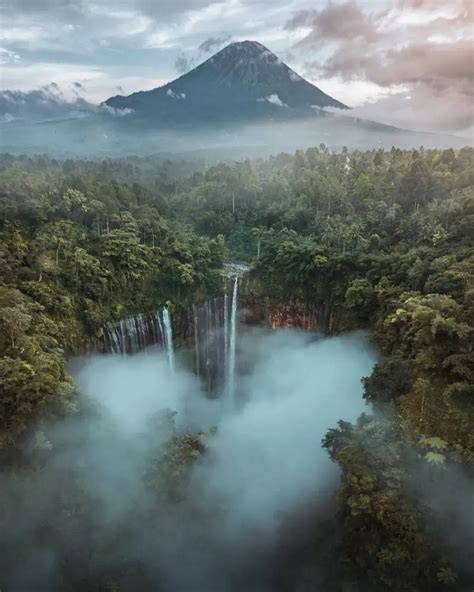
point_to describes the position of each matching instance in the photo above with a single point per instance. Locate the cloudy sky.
(405, 62)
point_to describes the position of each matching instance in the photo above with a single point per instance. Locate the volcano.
(245, 80)
(242, 101)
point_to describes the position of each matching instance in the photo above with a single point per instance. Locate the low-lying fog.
(264, 464)
(91, 137)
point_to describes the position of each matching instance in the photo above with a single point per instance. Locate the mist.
(263, 465)
(106, 135)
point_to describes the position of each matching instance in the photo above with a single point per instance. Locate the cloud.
(212, 44)
(84, 27)
(178, 96)
(132, 44)
(51, 23)
(8, 57)
(440, 65)
(78, 89)
(114, 111)
(420, 51)
(40, 105)
(264, 464)
(101, 83)
(420, 108)
(253, 501)
(384, 47)
(184, 64)
(72, 11)
(49, 103)
(273, 99)
(336, 22)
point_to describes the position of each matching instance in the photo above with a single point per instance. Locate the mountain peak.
(246, 43)
(243, 80)
(246, 62)
(246, 46)
(245, 52)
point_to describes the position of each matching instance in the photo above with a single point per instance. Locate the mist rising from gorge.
(264, 464)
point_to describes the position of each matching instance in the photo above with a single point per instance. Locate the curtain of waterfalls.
(134, 334)
(212, 330)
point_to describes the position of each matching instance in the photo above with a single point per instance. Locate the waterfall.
(206, 323)
(196, 340)
(232, 343)
(158, 332)
(214, 327)
(226, 336)
(211, 331)
(168, 337)
(134, 334)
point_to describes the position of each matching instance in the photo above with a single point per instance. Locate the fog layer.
(264, 463)
(104, 135)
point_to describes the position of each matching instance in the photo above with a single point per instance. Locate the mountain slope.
(243, 80)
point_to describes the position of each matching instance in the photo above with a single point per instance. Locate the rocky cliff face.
(277, 315)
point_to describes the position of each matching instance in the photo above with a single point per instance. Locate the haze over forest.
(236, 296)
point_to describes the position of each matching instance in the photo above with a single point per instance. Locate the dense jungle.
(375, 247)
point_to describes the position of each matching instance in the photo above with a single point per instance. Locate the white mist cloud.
(8, 57)
(267, 457)
(114, 111)
(132, 389)
(264, 467)
(274, 99)
(50, 102)
(173, 95)
(265, 461)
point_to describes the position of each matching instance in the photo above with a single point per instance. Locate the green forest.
(378, 241)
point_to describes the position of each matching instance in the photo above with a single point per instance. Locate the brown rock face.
(308, 317)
